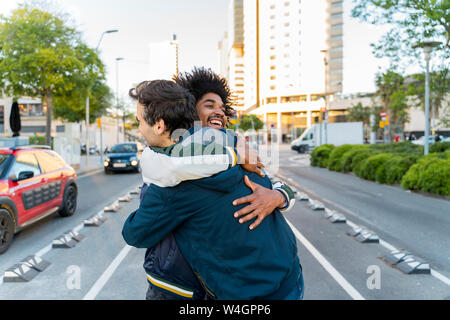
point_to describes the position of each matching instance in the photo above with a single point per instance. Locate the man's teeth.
(215, 122)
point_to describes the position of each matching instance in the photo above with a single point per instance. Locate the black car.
(123, 157)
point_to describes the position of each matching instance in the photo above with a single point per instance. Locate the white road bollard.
(337, 218)
(327, 213)
(114, 207)
(64, 241)
(316, 205)
(125, 198)
(36, 263)
(302, 197)
(20, 273)
(93, 221)
(354, 231)
(397, 256)
(75, 235)
(367, 236)
(413, 265)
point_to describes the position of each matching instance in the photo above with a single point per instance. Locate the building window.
(337, 26)
(272, 57)
(316, 97)
(273, 77)
(272, 100)
(272, 17)
(273, 87)
(273, 67)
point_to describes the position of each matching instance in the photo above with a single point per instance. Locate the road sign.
(383, 113)
(381, 124)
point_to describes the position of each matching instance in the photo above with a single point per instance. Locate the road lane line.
(383, 243)
(100, 283)
(353, 293)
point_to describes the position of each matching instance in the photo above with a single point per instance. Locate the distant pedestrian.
(436, 137)
(396, 138)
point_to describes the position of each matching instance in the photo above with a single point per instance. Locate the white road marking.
(354, 294)
(383, 243)
(100, 283)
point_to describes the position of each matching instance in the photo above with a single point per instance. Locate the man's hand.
(249, 159)
(262, 202)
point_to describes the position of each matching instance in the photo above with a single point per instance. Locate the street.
(335, 265)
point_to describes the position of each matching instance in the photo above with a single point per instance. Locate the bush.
(435, 178)
(430, 174)
(347, 158)
(36, 140)
(359, 158)
(406, 147)
(334, 162)
(440, 147)
(320, 155)
(369, 167)
(395, 168)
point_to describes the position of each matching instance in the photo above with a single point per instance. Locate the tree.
(43, 57)
(392, 93)
(411, 20)
(439, 89)
(250, 122)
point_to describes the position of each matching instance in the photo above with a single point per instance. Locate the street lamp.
(325, 62)
(117, 97)
(87, 103)
(427, 47)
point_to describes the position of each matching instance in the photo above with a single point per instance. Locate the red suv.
(34, 183)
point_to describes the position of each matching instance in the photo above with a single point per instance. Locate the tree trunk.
(48, 127)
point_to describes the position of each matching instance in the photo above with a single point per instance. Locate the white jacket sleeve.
(166, 171)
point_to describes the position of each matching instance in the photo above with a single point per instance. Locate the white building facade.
(284, 65)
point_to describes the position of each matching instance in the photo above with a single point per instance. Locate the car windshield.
(124, 148)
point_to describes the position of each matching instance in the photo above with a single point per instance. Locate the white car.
(421, 140)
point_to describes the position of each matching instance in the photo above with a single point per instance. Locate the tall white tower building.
(163, 59)
(284, 65)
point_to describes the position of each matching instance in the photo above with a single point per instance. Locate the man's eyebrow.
(212, 101)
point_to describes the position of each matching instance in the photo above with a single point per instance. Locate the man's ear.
(160, 127)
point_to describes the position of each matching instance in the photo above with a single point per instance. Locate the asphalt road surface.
(335, 265)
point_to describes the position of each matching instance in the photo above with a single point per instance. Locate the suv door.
(52, 168)
(27, 192)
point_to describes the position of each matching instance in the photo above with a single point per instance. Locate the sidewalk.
(93, 165)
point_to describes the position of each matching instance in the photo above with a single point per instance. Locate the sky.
(199, 26)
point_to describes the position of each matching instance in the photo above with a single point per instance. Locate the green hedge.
(395, 168)
(372, 165)
(346, 161)
(440, 147)
(430, 174)
(391, 163)
(334, 161)
(320, 155)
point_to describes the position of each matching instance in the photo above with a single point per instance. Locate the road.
(335, 265)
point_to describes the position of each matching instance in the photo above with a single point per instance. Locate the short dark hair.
(166, 100)
(201, 81)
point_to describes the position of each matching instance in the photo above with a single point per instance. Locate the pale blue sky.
(199, 25)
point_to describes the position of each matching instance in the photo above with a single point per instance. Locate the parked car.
(34, 183)
(431, 140)
(123, 157)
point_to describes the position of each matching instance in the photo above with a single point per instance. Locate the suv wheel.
(69, 201)
(6, 230)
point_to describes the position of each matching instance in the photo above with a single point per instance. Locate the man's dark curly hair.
(164, 99)
(201, 81)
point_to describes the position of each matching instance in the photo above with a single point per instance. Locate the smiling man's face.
(211, 111)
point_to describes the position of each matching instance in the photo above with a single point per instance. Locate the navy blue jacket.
(166, 263)
(231, 261)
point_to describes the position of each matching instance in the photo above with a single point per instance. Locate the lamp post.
(325, 63)
(87, 101)
(427, 47)
(117, 97)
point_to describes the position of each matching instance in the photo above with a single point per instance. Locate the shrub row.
(395, 163)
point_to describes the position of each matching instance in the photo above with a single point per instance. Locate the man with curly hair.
(168, 273)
